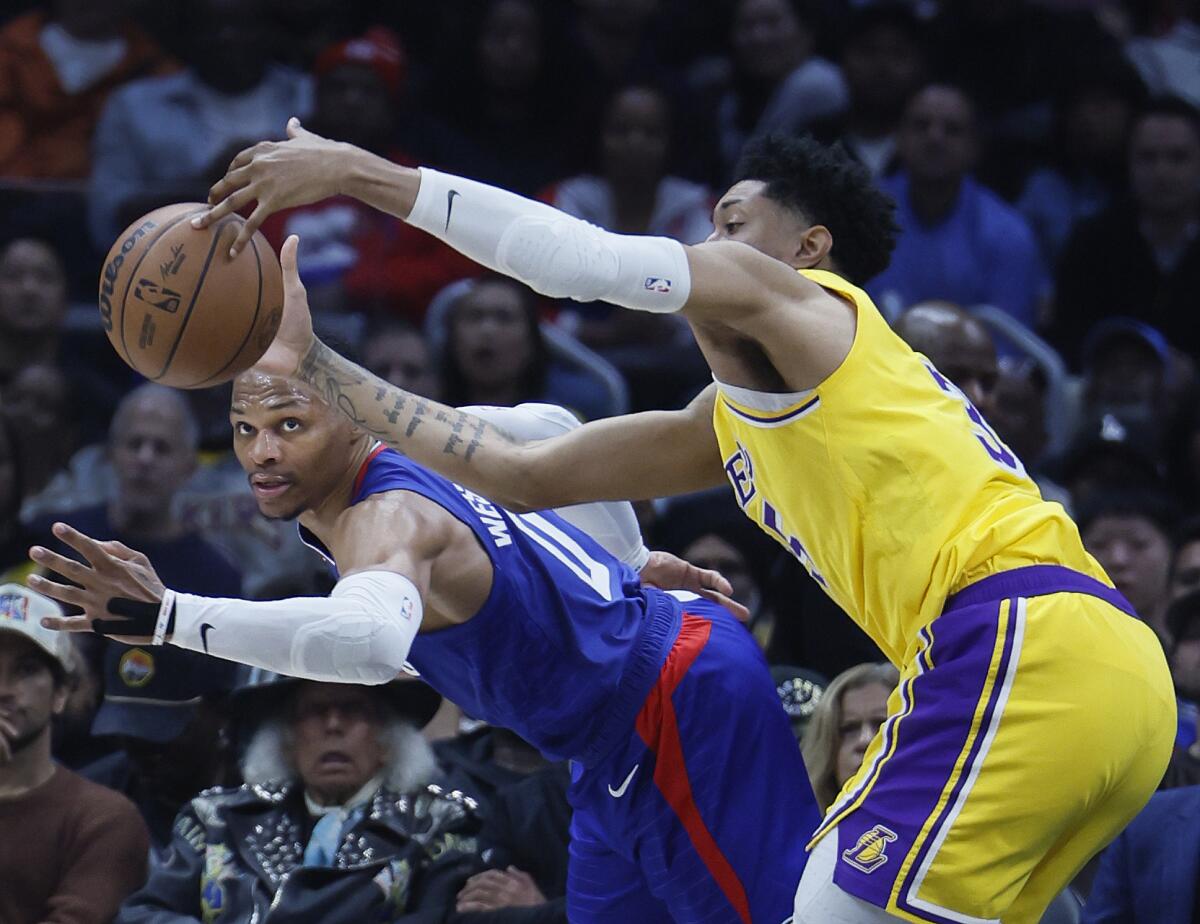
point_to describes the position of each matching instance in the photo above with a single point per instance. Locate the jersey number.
(593, 573)
(1001, 454)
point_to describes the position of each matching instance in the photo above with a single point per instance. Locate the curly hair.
(825, 185)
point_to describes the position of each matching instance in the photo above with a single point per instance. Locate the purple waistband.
(1036, 581)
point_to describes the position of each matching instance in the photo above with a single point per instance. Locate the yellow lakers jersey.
(887, 484)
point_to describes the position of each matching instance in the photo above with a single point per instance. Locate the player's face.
(29, 696)
(746, 214)
(336, 739)
(293, 447)
(864, 709)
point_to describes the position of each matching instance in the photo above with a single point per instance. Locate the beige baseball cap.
(22, 611)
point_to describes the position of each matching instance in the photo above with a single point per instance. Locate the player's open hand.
(276, 175)
(110, 570)
(295, 336)
(668, 572)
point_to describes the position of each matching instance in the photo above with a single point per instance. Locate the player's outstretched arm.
(635, 457)
(360, 633)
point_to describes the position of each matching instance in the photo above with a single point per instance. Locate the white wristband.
(164, 617)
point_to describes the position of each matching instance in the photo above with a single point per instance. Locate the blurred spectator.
(525, 842)
(1092, 119)
(1185, 559)
(848, 716)
(958, 241)
(800, 691)
(161, 711)
(482, 760)
(57, 68)
(1129, 371)
(779, 83)
(1168, 62)
(15, 539)
(884, 63)
(72, 741)
(1141, 258)
(304, 28)
(352, 255)
(632, 194)
(1018, 414)
(33, 311)
(1108, 454)
(33, 304)
(495, 353)
(41, 405)
(709, 530)
(1011, 56)
(1183, 622)
(336, 818)
(71, 850)
(502, 93)
(166, 139)
(1130, 535)
(1149, 874)
(396, 352)
(957, 344)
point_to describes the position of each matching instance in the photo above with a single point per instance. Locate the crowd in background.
(1044, 156)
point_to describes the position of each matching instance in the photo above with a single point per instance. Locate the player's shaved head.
(957, 343)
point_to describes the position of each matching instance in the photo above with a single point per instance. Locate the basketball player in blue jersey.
(1001, 768)
(687, 786)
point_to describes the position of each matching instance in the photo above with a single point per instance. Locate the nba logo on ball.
(136, 668)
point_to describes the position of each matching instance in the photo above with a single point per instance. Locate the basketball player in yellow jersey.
(1035, 712)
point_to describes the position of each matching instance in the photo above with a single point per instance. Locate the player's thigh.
(738, 806)
(820, 901)
(603, 887)
(1056, 771)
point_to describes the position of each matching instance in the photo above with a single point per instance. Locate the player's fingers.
(67, 623)
(69, 568)
(125, 553)
(713, 580)
(224, 202)
(249, 226)
(85, 545)
(290, 266)
(64, 593)
(740, 613)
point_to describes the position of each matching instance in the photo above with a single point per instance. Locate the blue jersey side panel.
(568, 643)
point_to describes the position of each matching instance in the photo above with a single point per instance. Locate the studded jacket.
(236, 855)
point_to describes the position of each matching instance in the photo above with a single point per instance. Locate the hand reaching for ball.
(276, 175)
(295, 336)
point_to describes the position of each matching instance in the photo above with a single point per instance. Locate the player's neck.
(321, 518)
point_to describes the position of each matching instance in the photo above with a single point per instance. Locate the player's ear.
(814, 246)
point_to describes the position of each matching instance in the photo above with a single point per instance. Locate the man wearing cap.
(336, 822)
(71, 850)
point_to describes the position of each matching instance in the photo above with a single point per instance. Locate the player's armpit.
(805, 330)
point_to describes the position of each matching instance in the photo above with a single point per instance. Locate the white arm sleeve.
(360, 633)
(611, 523)
(550, 251)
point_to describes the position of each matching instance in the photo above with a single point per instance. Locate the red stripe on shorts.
(659, 729)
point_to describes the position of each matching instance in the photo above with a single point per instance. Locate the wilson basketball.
(178, 309)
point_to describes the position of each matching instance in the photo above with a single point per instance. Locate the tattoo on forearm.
(380, 409)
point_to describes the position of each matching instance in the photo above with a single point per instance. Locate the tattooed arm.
(636, 457)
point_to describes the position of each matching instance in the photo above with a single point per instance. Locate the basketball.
(178, 309)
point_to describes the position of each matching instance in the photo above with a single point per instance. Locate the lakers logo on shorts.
(870, 852)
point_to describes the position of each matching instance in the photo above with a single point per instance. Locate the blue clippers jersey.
(568, 643)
